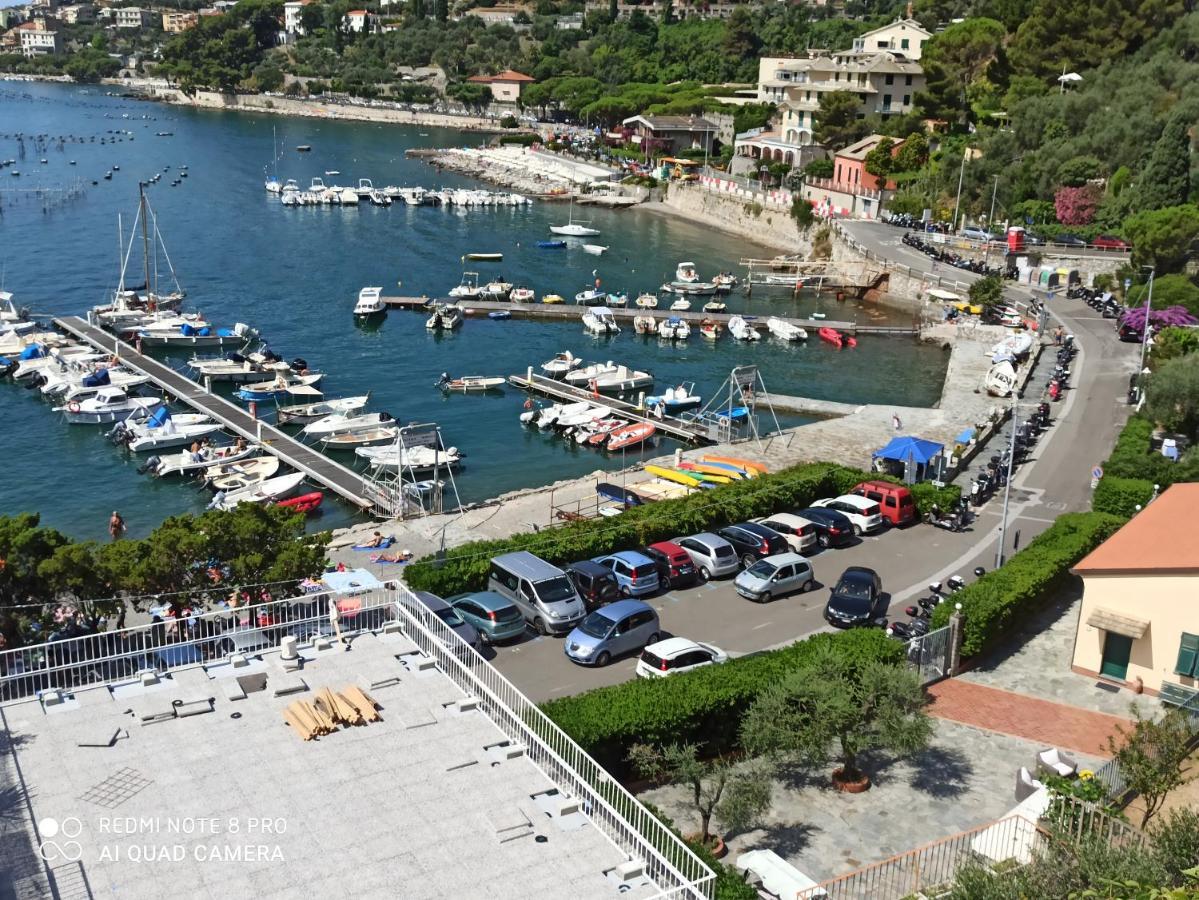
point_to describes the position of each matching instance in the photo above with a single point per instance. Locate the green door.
(1116, 650)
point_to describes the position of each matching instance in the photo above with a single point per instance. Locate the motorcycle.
(947, 520)
(1055, 391)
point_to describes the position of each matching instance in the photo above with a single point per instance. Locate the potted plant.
(834, 709)
(738, 795)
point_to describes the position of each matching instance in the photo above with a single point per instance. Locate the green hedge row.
(465, 567)
(703, 707)
(1132, 458)
(1121, 496)
(992, 604)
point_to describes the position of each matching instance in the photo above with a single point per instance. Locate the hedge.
(465, 567)
(703, 707)
(1132, 458)
(1121, 496)
(992, 604)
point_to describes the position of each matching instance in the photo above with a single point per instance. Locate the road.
(882, 239)
(1055, 480)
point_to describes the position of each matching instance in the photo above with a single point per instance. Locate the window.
(886, 101)
(907, 80)
(890, 79)
(1188, 655)
(903, 44)
(882, 45)
(907, 99)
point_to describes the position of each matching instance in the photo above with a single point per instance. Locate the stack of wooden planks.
(349, 706)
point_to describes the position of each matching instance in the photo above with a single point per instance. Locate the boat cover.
(33, 351)
(96, 379)
(906, 448)
(618, 494)
(161, 416)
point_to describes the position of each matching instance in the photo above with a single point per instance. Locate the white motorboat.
(284, 384)
(495, 290)
(545, 418)
(74, 383)
(599, 320)
(471, 383)
(685, 273)
(378, 198)
(724, 281)
(317, 185)
(573, 228)
(468, 287)
(365, 187)
(188, 335)
(445, 318)
(647, 301)
(715, 306)
(306, 413)
(1014, 346)
(591, 297)
(623, 380)
(272, 489)
(12, 319)
(370, 304)
(110, 404)
(561, 364)
(239, 368)
(595, 249)
(348, 197)
(1000, 379)
(741, 330)
(645, 325)
(584, 376)
(201, 460)
(241, 473)
(681, 305)
(676, 399)
(37, 359)
(351, 439)
(674, 329)
(689, 288)
(344, 423)
(522, 295)
(785, 330)
(162, 430)
(419, 459)
(585, 416)
(273, 186)
(620, 300)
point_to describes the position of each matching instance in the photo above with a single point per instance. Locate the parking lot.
(906, 558)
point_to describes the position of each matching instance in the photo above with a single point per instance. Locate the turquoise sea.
(295, 273)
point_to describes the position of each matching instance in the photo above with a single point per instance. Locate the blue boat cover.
(965, 437)
(225, 332)
(96, 379)
(906, 448)
(160, 417)
(33, 351)
(188, 330)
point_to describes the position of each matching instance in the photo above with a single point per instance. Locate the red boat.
(630, 435)
(832, 335)
(304, 503)
(850, 340)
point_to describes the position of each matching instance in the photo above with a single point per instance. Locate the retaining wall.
(766, 223)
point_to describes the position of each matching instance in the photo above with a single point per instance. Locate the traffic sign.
(1127, 284)
(1097, 472)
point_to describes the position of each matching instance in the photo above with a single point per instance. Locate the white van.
(544, 594)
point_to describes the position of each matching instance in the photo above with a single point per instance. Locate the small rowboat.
(499, 314)
(350, 439)
(710, 329)
(834, 337)
(552, 298)
(472, 384)
(629, 436)
(241, 474)
(551, 245)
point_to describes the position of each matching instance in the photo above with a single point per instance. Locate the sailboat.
(272, 183)
(570, 229)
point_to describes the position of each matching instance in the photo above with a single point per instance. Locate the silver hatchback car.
(713, 556)
(773, 576)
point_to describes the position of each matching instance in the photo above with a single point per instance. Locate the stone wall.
(765, 224)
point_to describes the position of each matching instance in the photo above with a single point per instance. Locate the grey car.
(774, 576)
(612, 630)
(713, 555)
(450, 617)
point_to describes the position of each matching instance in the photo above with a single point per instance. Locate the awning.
(1117, 623)
(910, 448)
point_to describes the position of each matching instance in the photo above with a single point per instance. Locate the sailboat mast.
(141, 195)
(120, 254)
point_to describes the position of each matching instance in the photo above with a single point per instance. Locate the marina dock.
(319, 468)
(629, 313)
(691, 432)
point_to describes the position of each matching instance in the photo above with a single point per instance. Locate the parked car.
(636, 573)
(675, 655)
(1128, 334)
(895, 501)
(799, 533)
(1033, 240)
(596, 584)
(612, 630)
(752, 541)
(494, 616)
(856, 599)
(978, 233)
(450, 617)
(1068, 240)
(713, 556)
(774, 576)
(675, 568)
(864, 515)
(1110, 242)
(833, 529)
(544, 594)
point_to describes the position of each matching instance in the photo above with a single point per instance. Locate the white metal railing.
(669, 862)
(168, 643)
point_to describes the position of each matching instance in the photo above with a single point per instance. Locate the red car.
(1110, 242)
(675, 568)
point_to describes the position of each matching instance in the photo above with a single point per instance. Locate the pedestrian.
(974, 491)
(116, 525)
(895, 422)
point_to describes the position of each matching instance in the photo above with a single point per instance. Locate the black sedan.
(833, 529)
(753, 541)
(1068, 240)
(856, 599)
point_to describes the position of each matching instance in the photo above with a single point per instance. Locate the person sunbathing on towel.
(377, 541)
(399, 556)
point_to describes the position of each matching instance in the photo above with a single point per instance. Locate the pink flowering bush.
(1076, 205)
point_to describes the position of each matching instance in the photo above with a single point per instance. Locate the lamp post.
(1007, 487)
(958, 202)
(990, 220)
(1145, 329)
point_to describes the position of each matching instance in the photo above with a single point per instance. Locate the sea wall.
(769, 225)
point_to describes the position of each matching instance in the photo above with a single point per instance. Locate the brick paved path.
(1045, 723)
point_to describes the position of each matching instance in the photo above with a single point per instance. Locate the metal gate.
(930, 654)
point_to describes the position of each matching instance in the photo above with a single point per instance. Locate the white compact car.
(863, 514)
(677, 655)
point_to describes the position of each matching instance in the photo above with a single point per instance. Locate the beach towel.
(387, 542)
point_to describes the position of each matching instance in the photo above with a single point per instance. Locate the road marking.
(763, 625)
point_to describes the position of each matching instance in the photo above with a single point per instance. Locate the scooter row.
(1101, 301)
(920, 614)
(934, 251)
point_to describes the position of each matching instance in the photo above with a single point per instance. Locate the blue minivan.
(613, 630)
(636, 574)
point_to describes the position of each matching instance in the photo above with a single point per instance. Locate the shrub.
(1121, 496)
(992, 604)
(509, 121)
(1132, 458)
(525, 140)
(701, 707)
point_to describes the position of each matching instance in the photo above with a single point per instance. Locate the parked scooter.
(950, 521)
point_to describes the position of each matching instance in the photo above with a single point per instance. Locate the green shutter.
(1188, 655)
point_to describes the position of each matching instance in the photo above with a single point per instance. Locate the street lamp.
(990, 221)
(958, 202)
(1145, 329)
(1007, 488)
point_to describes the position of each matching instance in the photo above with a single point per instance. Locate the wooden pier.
(683, 430)
(316, 466)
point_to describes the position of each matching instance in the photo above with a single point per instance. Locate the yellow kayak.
(674, 475)
(726, 472)
(552, 298)
(753, 469)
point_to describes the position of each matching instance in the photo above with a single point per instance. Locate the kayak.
(687, 478)
(305, 503)
(715, 469)
(747, 465)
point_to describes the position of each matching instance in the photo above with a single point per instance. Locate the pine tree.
(418, 9)
(441, 10)
(1165, 180)
(612, 10)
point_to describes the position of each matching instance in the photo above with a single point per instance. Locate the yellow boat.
(552, 298)
(751, 468)
(717, 470)
(674, 475)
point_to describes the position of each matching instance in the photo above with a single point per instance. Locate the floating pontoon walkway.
(315, 465)
(691, 432)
